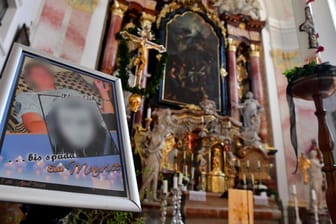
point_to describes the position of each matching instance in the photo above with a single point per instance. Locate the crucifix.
(144, 42)
(308, 27)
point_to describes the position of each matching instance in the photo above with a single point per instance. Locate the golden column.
(111, 44)
(233, 83)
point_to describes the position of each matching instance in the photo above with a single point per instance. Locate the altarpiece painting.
(196, 61)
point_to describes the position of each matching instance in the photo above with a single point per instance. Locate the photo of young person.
(75, 125)
(40, 78)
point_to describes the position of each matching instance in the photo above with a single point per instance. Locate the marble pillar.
(111, 44)
(257, 86)
(233, 83)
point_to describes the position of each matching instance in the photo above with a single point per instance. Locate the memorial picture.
(64, 132)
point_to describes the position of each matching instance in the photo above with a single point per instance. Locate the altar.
(214, 210)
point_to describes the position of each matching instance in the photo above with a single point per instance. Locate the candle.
(149, 112)
(180, 180)
(238, 163)
(244, 179)
(313, 195)
(175, 182)
(184, 155)
(192, 172)
(294, 189)
(192, 157)
(259, 165)
(252, 178)
(247, 163)
(176, 152)
(185, 170)
(165, 186)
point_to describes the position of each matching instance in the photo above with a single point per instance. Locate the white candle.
(192, 157)
(180, 181)
(175, 182)
(247, 163)
(238, 163)
(252, 178)
(259, 164)
(185, 170)
(184, 155)
(176, 152)
(313, 195)
(192, 172)
(294, 189)
(165, 186)
(149, 112)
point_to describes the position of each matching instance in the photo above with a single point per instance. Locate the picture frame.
(196, 60)
(64, 135)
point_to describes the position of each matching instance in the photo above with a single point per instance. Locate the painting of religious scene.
(193, 68)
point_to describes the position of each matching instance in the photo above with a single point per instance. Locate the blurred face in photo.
(77, 125)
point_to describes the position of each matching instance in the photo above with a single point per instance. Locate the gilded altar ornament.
(118, 9)
(216, 176)
(242, 76)
(83, 5)
(134, 102)
(304, 165)
(254, 50)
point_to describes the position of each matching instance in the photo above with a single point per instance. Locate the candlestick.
(313, 195)
(175, 182)
(149, 112)
(294, 189)
(244, 180)
(192, 172)
(165, 186)
(180, 180)
(185, 170)
(252, 179)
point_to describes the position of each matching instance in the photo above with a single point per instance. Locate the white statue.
(152, 153)
(316, 177)
(250, 109)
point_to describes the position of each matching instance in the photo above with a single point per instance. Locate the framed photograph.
(196, 60)
(64, 137)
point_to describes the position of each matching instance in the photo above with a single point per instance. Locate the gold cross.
(144, 42)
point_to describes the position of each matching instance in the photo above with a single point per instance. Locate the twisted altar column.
(233, 83)
(111, 44)
(257, 86)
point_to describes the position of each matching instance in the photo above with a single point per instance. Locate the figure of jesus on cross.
(144, 42)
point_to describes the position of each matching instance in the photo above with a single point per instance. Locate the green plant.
(88, 216)
(309, 69)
